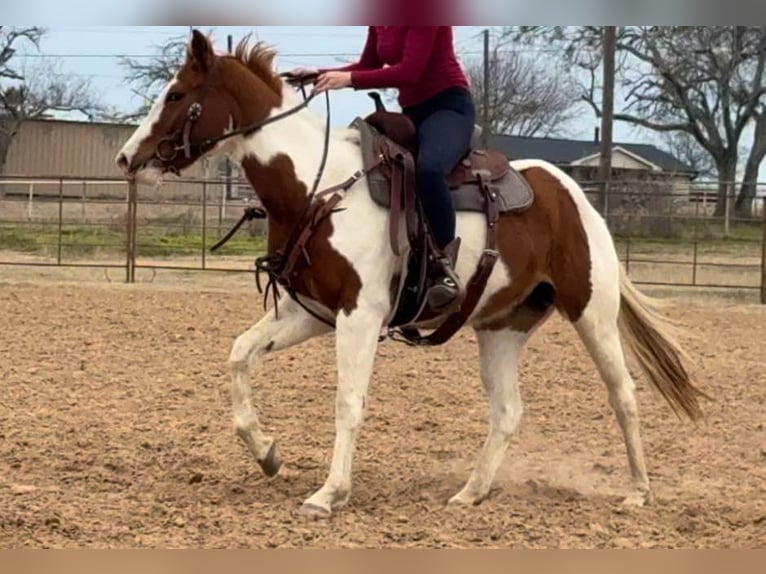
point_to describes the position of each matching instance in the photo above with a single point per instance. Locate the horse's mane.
(259, 59)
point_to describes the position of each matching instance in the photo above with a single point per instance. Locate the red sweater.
(418, 60)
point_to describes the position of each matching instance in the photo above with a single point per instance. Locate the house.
(646, 182)
(87, 150)
(634, 166)
(580, 158)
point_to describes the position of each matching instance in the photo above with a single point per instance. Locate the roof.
(96, 123)
(566, 152)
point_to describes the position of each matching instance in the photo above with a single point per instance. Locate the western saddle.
(482, 182)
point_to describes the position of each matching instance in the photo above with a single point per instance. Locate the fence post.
(727, 205)
(84, 200)
(763, 254)
(130, 263)
(204, 225)
(127, 233)
(61, 221)
(221, 209)
(31, 201)
(694, 263)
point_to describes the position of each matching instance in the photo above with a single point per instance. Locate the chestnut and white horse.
(556, 256)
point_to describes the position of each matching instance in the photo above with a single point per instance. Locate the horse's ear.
(201, 50)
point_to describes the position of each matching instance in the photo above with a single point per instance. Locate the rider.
(420, 62)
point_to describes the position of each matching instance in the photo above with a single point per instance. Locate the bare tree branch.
(707, 81)
(10, 39)
(147, 78)
(35, 92)
(684, 147)
(525, 98)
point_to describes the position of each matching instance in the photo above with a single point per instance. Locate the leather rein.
(180, 141)
(278, 266)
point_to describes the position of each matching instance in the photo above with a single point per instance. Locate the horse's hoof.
(287, 473)
(314, 511)
(271, 464)
(459, 501)
(638, 499)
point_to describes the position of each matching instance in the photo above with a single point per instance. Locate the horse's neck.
(282, 160)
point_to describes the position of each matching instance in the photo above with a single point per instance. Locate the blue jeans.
(445, 124)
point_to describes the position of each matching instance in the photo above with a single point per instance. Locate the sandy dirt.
(115, 432)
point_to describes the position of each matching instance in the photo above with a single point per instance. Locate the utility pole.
(607, 117)
(485, 93)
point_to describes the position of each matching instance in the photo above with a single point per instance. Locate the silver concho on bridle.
(167, 148)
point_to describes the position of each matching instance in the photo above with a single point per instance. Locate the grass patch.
(91, 241)
(169, 244)
(84, 241)
(702, 231)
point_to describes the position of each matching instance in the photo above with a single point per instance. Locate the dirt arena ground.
(115, 432)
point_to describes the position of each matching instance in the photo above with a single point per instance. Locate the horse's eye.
(174, 97)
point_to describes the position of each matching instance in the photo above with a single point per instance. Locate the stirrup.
(447, 293)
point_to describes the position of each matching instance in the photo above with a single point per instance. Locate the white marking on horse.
(359, 235)
(500, 352)
(598, 328)
(144, 130)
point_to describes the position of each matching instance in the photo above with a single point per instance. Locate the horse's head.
(200, 104)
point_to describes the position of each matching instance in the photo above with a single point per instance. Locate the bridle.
(277, 266)
(168, 148)
(274, 265)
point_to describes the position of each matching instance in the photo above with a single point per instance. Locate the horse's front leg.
(270, 334)
(356, 345)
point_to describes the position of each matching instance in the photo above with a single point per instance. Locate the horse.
(556, 256)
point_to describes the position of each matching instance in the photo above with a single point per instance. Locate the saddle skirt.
(513, 193)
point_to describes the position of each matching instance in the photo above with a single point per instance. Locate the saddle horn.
(379, 106)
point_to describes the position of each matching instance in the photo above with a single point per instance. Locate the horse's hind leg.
(499, 352)
(270, 334)
(599, 330)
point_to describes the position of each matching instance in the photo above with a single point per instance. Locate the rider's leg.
(444, 137)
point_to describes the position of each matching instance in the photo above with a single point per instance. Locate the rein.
(279, 266)
(195, 112)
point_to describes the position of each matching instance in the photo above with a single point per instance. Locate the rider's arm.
(418, 46)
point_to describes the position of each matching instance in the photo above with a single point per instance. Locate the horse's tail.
(648, 337)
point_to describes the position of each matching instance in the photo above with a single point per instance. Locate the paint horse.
(557, 255)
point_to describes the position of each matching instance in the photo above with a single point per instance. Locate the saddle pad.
(513, 191)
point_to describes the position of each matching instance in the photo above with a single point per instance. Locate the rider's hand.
(304, 72)
(333, 81)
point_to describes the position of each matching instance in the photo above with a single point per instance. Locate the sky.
(93, 52)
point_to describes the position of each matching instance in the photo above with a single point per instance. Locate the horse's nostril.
(122, 161)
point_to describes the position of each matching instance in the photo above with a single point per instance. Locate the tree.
(35, 92)
(684, 147)
(525, 98)
(744, 204)
(704, 81)
(148, 78)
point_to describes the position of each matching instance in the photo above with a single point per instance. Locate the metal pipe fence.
(665, 235)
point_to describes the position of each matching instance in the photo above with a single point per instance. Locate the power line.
(180, 30)
(284, 54)
(156, 30)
